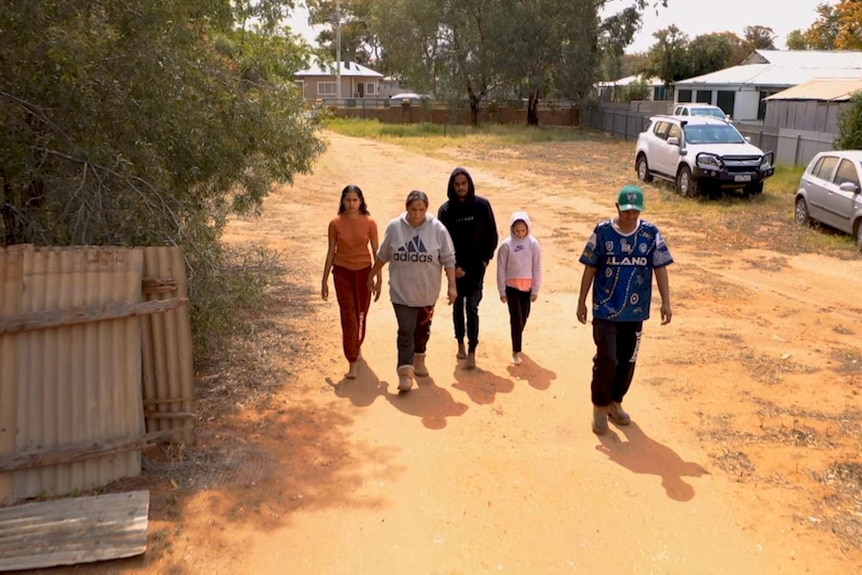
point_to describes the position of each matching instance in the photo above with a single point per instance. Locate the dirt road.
(742, 457)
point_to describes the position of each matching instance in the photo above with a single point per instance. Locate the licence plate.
(744, 178)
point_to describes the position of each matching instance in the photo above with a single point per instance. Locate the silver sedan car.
(829, 192)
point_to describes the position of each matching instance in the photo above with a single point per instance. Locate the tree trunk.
(533, 109)
(474, 106)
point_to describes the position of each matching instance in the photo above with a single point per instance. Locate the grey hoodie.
(416, 256)
(520, 258)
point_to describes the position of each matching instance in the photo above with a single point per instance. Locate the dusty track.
(742, 408)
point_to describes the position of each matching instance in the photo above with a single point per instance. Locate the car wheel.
(859, 235)
(753, 189)
(801, 214)
(686, 184)
(642, 168)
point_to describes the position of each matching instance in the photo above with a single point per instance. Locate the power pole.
(338, 51)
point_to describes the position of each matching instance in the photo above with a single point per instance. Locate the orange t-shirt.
(352, 237)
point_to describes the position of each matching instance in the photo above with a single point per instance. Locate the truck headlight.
(709, 161)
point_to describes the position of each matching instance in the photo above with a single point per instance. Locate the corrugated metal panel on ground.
(82, 382)
(72, 531)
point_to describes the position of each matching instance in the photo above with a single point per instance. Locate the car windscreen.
(717, 134)
(716, 113)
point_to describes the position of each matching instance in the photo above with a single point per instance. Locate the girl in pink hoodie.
(519, 276)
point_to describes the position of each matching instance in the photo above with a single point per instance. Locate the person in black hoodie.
(470, 221)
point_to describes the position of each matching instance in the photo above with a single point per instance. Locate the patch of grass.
(843, 510)
(489, 134)
(225, 292)
(734, 463)
(848, 360)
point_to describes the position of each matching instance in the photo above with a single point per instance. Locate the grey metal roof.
(824, 90)
(348, 69)
(630, 80)
(784, 68)
(807, 58)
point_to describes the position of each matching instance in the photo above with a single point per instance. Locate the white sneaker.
(516, 358)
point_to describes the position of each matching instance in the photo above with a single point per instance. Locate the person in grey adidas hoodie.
(416, 246)
(519, 276)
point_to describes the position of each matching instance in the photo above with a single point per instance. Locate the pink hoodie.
(519, 261)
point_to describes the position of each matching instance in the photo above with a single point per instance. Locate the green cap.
(631, 198)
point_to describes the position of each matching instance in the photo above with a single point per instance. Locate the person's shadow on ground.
(640, 454)
(431, 403)
(537, 376)
(361, 391)
(480, 385)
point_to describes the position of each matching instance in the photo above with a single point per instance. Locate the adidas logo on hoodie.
(413, 251)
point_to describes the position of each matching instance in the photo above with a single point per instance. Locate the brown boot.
(617, 415)
(405, 377)
(600, 420)
(419, 365)
(471, 360)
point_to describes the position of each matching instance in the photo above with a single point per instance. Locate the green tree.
(617, 32)
(482, 47)
(710, 52)
(797, 40)
(669, 56)
(359, 43)
(823, 32)
(850, 125)
(760, 37)
(137, 122)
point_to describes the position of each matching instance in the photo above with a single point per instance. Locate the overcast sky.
(693, 17)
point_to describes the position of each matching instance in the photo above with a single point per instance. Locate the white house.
(357, 81)
(612, 91)
(741, 91)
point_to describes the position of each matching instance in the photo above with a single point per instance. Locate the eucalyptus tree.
(669, 55)
(139, 122)
(347, 21)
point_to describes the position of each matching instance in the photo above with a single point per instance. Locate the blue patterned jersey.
(622, 288)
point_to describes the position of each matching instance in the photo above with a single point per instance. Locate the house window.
(370, 89)
(326, 89)
(659, 93)
(704, 97)
(684, 96)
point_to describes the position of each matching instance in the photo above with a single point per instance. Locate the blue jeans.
(414, 329)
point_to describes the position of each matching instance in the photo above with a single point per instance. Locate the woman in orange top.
(350, 233)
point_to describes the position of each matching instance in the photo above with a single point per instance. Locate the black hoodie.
(472, 226)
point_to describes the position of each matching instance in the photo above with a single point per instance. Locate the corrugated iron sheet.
(823, 90)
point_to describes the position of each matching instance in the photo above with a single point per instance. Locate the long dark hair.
(363, 207)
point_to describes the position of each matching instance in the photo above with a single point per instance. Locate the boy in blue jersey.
(620, 258)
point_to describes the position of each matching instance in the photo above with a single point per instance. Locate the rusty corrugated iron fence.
(95, 364)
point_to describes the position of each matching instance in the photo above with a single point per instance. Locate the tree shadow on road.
(428, 401)
(480, 385)
(537, 376)
(641, 454)
(361, 391)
